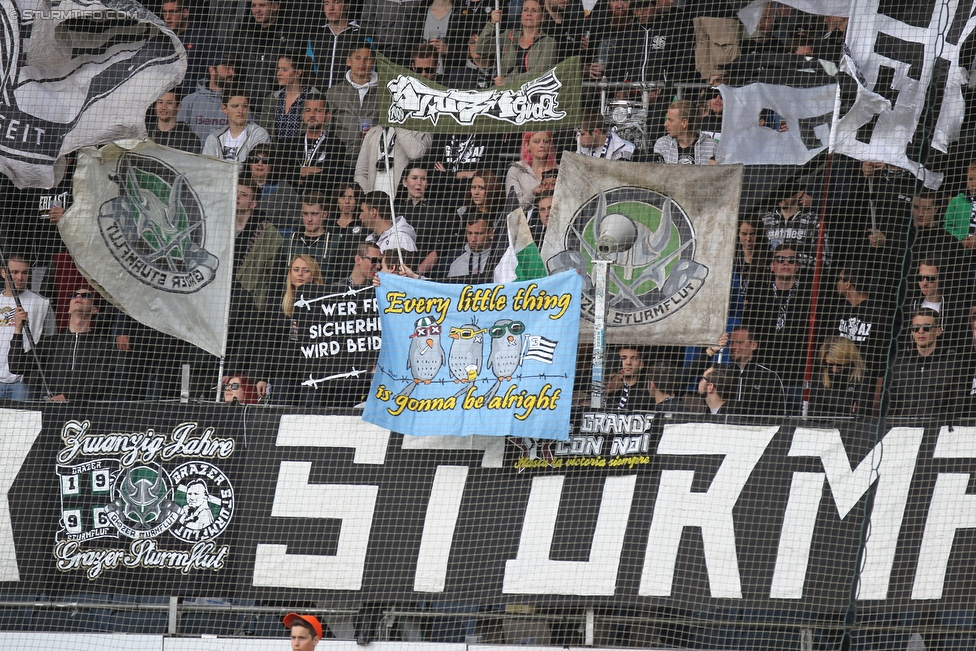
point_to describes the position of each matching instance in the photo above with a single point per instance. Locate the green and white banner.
(670, 244)
(547, 102)
(153, 229)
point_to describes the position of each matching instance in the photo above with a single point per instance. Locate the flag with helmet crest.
(670, 246)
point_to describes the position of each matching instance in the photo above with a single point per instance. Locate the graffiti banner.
(153, 229)
(667, 284)
(476, 359)
(549, 101)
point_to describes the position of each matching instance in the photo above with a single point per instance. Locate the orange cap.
(293, 618)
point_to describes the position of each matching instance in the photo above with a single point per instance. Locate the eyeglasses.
(928, 279)
(84, 295)
(373, 260)
(233, 386)
(425, 70)
(498, 331)
(466, 333)
(928, 327)
(261, 159)
(783, 259)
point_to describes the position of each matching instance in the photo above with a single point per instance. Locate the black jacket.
(75, 364)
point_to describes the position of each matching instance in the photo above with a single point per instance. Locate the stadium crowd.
(288, 90)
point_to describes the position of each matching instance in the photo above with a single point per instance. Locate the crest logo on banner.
(657, 274)
(130, 491)
(155, 228)
(476, 359)
(664, 281)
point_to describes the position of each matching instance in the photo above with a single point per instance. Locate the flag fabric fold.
(80, 75)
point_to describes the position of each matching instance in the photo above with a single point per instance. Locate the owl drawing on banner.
(506, 351)
(426, 354)
(467, 352)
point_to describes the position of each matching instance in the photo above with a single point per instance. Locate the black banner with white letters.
(634, 510)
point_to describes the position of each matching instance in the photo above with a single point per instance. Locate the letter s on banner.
(295, 498)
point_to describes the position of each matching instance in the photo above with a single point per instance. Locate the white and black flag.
(904, 60)
(77, 73)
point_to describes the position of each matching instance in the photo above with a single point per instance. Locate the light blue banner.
(496, 360)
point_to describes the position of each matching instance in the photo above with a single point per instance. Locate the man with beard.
(316, 159)
(200, 110)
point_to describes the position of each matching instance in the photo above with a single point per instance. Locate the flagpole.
(498, 41)
(220, 380)
(230, 297)
(27, 329)
(384, 141)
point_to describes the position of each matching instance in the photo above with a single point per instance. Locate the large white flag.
(806, 111)
(77, 73)
(902, 59)
(153, 229)
(667, 284)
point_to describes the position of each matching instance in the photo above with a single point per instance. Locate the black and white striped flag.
(541, 349)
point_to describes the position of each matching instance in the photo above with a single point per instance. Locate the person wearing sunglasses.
(367, 262)
(861, 318)
(76, 363)
(715, 387)
(779, 310)
(932, 294)
(239, 390)
(277, 198)
(925, 380)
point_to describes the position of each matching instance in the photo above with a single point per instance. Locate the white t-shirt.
(230, 145)
(37, 313)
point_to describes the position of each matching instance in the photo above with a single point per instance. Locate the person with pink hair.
(536, 172)
(239, 389)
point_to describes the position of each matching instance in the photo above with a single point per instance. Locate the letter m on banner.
(903, 58)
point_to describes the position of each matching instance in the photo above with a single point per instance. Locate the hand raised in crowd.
(969, 242)
(547, 185)
(876, 238)
(56, 212)
(723, 341)
(439, 45)
(262, 389)
(496, 16)
(122, 343)
(869, 167)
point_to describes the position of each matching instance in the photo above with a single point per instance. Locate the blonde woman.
(280, 367)
(842, 389)
(302, 271)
